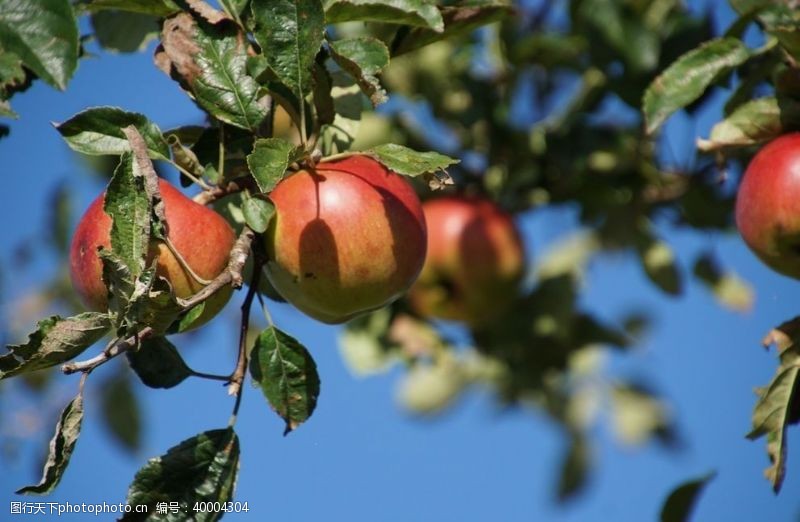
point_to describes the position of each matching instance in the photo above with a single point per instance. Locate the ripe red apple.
(475, 261)
(346, 239)
(201, 236)
(768, 205)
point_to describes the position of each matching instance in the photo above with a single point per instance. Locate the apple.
(768, 205)
(201, 236)
(347, 238)
(475, 261)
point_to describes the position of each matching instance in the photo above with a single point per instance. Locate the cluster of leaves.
(763, 105)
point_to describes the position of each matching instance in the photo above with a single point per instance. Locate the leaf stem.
(202, 184)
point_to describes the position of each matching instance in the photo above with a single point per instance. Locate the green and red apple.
(201, 236)
(348, 237)
(475, 261)
(768, 205)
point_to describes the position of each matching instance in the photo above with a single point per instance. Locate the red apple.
(201, 236)
(768, 205)
(475, 261)
(347, 238)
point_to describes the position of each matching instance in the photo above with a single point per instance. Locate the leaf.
(158, 363)
(776, 407)
(680, 503)
(200, 469)
(211, 62)
(638, 415)
(753, 122)
(362, 347)
(731, 291)
(61, 446)
(430, 389)
(409, 162)
(658, 262)
(121, 412)
(152, 304)
(258, 213)
(458, 21)
(286, 374)
(128, 205)
(290, 32)
(12, 75)
(419, 13)
(124, 32)
(98, 131)
(269, 160)
(688, 78)
(160, 8)
(574, 468)
(363, 58)
(56, 340)
(44, 33)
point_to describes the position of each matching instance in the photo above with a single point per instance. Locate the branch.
(109, 353)
(215, 193)
(231, 275)
(235, 384)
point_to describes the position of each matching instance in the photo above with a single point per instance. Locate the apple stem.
(183, 263)
(340, 155)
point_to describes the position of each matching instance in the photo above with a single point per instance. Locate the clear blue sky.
(360, 458)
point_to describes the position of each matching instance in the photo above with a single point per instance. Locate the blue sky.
(360, 457)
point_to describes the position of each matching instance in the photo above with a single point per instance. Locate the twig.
(109, 353)
(215, 193)
(231, 275)
(235, 385)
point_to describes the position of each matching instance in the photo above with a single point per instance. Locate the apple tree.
(344, 139)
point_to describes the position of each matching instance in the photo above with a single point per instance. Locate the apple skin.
(475, 262)
(768, 205)
(199, 234)
(346, 239)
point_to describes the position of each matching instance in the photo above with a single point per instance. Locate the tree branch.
(235, 385)
(112, 351)
(219, 192)
(231, 275)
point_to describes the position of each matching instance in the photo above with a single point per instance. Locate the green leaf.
(409, 162)
(731, 291)
(44, 33)
(56, 340)
(124, 32)
(286, 374)
(152, 303)
(12, 75)
(121, 412)
(680, 503)
(269, 160)
(158, 363)
(258, 213)
(574, 468)
(61, 446)
(211, 61)
(98, 131)
(638, 415)
(200, 469)
(118, 281)
(129, 207)
(346, 97)
(659, 264)
(362, 344)
(290, 32)
(363, 58)
(160, 8)
(753, 122)
(458, 21)
(188, 319)
(688, 78)
(777, 407)
(430, 389)
(419, 13)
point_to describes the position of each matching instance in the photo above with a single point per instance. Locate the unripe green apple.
(200, 235)
(475, 261)
(768, 205)
(346, 239)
